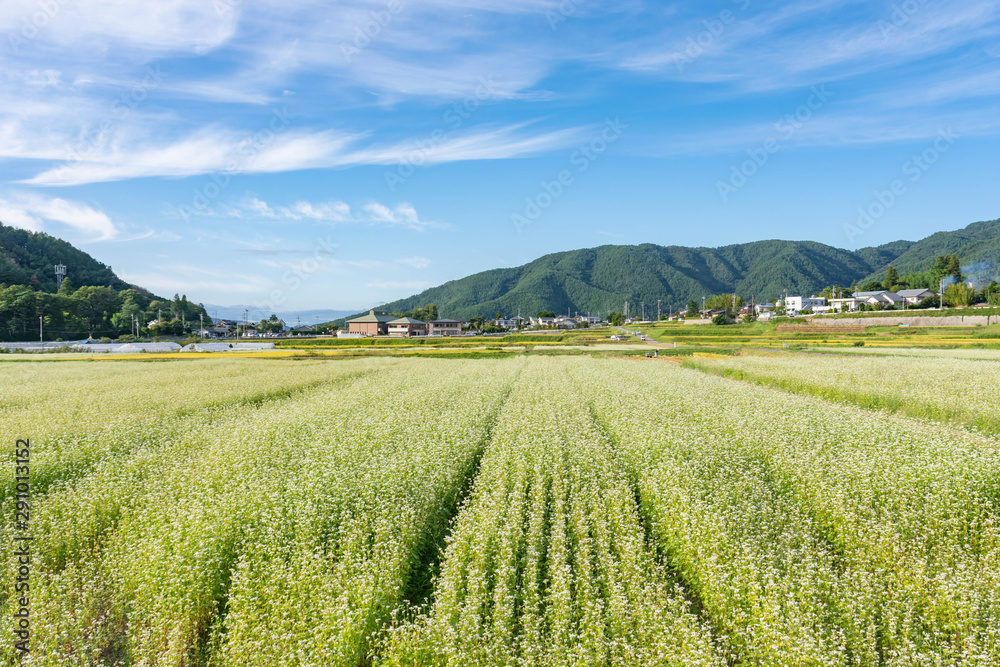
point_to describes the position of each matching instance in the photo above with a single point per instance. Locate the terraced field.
(566, 510)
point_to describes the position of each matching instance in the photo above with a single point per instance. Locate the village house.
(407, 327)
(915, 296)
(543, 321)
(883, 297)
(516, 322)
(445, 327)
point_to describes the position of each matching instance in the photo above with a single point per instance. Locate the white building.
(796, 304)
(847, 304)
(516, 322)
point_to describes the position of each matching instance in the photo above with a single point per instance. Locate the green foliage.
(27, 257)
(992, 294)
(725, 302)
(891, 279)
(959, 294)
(599, 280)
(616, 319)
(270, 325)
(720, 320)
(103, 305)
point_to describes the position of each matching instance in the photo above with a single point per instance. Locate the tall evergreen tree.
(891, 278)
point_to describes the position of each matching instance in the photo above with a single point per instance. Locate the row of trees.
(93, 311)
(428, 313)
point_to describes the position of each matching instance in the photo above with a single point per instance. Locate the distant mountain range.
(291, 317)
(592, 280)
(599, 280)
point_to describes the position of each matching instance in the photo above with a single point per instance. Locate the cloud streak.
(37, 213)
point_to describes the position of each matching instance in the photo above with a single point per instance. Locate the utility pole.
(201, 319)
(657, 310)
(41, 336)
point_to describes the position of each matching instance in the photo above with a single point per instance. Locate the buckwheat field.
(565, 510)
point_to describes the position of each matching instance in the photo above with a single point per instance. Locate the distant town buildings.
(383, 324)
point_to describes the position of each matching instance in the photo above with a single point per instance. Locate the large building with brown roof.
(372, 324)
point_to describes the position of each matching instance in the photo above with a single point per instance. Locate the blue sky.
(302, 154)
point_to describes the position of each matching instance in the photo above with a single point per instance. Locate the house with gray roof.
(407, 326)
(913, 296)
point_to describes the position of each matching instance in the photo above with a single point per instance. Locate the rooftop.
(372, 316)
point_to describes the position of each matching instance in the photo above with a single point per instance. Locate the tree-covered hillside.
(29, 258)
(979, 242)
(599, 280)
(92, 301)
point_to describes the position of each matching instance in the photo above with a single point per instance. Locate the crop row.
(814, 534)
(957, 390)
(77, 413)
(278, 533)
(547, 563)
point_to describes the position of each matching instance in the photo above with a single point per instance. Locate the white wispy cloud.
(37, 213)
(214, 150)
(796, 44)
(164, 25)
(336, 212)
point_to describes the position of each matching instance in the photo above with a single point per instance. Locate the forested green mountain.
(979, 242)
(600, 280)
(92, 301)
(29, 258)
